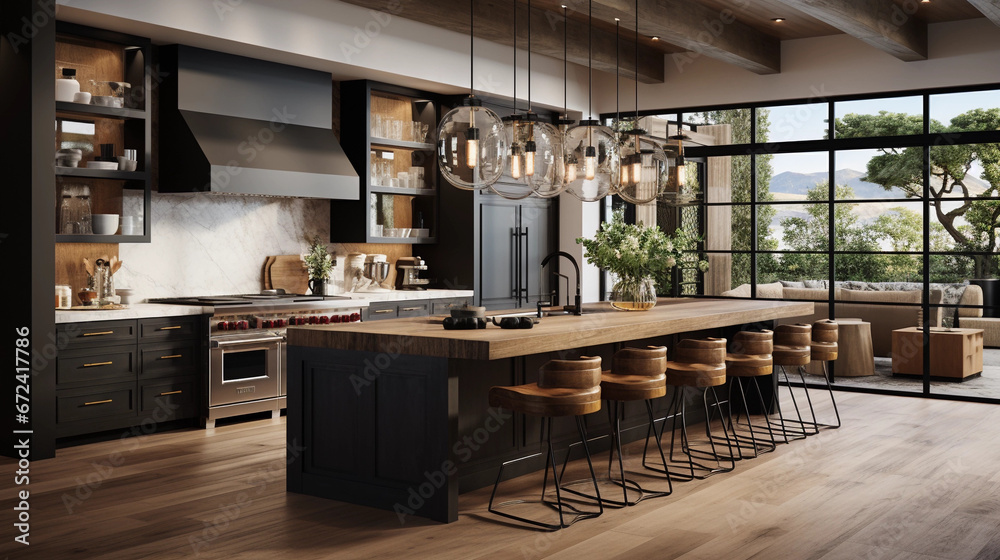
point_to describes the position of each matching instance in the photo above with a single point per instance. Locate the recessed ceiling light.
(778, 19)
(655, 38)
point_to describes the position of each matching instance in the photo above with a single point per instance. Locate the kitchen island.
(394, 414)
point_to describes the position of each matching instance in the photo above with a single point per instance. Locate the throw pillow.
(772, 290)
(790, 284)
(816, 284)
(743, 290)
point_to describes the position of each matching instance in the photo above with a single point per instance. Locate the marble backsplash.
(216, 244)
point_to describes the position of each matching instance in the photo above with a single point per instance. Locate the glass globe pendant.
(645, 174)
(592, 147)
(470, 141)
(514, 184)
(471, 146)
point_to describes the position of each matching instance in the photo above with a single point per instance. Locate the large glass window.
(884, 224)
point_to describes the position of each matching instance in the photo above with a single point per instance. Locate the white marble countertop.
(396, 295)
(145, 310)
(134, 311)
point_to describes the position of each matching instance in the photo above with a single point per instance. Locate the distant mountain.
(797, 184)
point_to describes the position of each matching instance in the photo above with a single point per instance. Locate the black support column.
(27, 217)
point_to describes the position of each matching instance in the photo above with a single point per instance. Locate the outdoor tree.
(948, 195)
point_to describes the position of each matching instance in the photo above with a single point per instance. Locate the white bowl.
(105, 224)
(81, 97)
(110, 165)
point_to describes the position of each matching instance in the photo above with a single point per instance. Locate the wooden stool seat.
(696, 375)
(823, 351)
(749, 365)
(616, 387)
(792, 356)
(537, 401)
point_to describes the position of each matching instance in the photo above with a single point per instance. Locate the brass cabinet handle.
(170, 357)
(98, 333)
(384, 310)
(411, 308)
(97, 402)
(171, 393)
(169, 328)
(98, 364)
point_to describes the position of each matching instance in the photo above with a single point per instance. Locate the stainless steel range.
(247, 358)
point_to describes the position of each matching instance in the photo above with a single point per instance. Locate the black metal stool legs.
(559, 505)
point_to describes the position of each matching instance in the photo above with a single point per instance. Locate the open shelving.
(103, 56)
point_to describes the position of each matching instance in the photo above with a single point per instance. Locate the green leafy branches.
(637, 251)
(318, 261)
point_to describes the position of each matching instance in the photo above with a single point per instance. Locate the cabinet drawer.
(168, 398)
(168, 328)
(419, 308)
(102, 333)
(444, 306)
(95, 366)
(161, 360)
(95, 403)
(380, 310)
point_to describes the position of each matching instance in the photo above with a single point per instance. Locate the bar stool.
(637, 374)
(700, 364)
(749, 358)
(564, 388)
(823, 349)
(792, 348)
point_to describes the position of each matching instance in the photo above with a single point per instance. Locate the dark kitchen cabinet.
(514, 238)
(119, 374)
(493, 245)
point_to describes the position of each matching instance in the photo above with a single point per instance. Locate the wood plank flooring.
(905, 478)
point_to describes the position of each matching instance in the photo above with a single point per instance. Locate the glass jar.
(64, 296)
(634, 294)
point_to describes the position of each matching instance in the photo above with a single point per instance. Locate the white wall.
(346, 40)
(960, 53)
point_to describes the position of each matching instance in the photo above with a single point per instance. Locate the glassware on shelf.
(74, 210)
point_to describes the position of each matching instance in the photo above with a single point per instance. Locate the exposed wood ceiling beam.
(882, 24)
(702, 30)
(989, 8)
(495, 22)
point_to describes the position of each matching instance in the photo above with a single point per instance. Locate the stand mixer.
(408, 273)
(376, 271)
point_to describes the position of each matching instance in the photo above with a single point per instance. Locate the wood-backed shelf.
(100, 111)
(390, 143)
(402, 191)
(112, 174)
(95, 238)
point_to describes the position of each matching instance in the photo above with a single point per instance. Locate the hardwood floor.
(904, 478)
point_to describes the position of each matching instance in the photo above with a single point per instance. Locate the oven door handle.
(221, 343)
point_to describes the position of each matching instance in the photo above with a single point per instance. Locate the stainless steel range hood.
(235, 125)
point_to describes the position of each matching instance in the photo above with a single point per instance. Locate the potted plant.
(638, 256)
(319, 264)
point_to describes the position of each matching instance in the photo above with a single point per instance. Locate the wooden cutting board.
(266, 275)
(287, 272)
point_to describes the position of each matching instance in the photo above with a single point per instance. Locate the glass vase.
(634, 294)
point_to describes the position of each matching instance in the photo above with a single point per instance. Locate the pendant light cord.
(565, 53)
(472, 46)
(515, 58)
(618, 74)
(529, 55)
(590, 60)
(636, 64)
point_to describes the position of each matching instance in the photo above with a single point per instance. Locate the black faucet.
(577, 307)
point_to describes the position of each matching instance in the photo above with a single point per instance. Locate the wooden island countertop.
(599, 324)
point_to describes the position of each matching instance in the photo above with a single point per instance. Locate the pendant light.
(471, 142)
(677, 193)
(515, 183)
(535, 143)
(592, 144)
(566, 163)
(646, 163)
